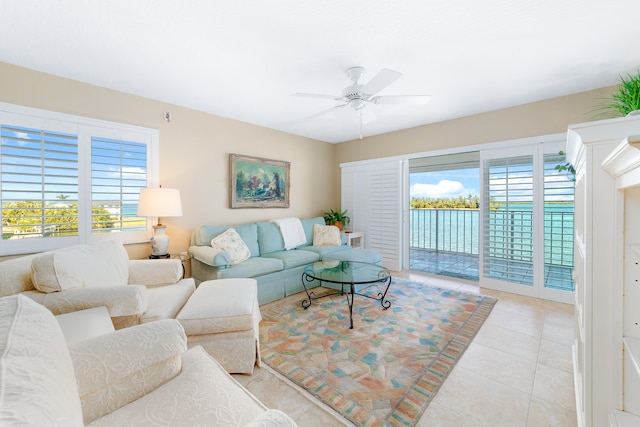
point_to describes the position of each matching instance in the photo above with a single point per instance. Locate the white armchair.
(85, 276)
(138, 376)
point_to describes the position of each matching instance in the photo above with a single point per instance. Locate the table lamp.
(159, 202)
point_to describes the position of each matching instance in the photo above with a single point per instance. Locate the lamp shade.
(159, 202)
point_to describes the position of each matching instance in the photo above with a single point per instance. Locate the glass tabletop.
(353, 272)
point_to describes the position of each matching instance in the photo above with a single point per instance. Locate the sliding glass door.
(527, 217)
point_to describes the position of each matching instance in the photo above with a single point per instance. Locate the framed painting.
(258, 183)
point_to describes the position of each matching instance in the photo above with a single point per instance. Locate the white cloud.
(444, 188)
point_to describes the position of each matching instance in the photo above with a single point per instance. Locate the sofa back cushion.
(37, 385)
(307, 226)
(249, 233)
(15, 275)
(84, 266)
(269, 238)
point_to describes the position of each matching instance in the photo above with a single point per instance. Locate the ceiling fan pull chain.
(360, 123)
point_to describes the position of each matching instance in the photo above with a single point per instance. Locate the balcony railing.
(445, 230)
(457, 231)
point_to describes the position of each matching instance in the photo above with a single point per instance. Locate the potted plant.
(336, 217)
(624, 100)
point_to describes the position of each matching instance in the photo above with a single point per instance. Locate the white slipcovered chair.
(86, 276)
(139, 376)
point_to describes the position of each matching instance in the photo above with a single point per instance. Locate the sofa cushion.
(293, 259)
(37, 385)
(269, 238)
(85, 266)
(165, 302)
(203, 394)
(114, 370)
(307, 226)
(231, 242)
(225, 305)
(322, 251)
(249, 233)
(361, 255)
(326, 235)
(256, 266)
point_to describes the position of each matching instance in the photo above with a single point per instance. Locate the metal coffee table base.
(350, 294)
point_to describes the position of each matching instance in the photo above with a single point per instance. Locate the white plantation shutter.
(373, 195)
(39, 182)
(508, 220)
(118, 172)
(69, 179)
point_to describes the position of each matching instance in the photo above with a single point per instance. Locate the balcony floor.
(465, 266)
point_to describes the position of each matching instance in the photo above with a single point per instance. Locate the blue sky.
(446, 184)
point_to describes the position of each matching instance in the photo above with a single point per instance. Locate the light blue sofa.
(277, 271)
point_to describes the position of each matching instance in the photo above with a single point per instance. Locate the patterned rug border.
(416, 400)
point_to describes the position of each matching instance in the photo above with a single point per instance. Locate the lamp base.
(165, 256)
(159, 241)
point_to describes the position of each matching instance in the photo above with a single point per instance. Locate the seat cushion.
(362, 255)
(323, 251)
(37, 385)
(293, 259)
(165, 302)
(225, 305)
(203, 394)
(252, 267)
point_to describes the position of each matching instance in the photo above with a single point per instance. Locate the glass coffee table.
(348, 278)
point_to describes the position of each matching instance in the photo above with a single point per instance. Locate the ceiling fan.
(358, 96)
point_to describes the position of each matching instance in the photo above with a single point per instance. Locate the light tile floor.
(516, 372)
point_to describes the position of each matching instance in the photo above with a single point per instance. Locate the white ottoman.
(223, 316)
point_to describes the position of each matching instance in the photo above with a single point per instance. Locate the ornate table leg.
(307, 302)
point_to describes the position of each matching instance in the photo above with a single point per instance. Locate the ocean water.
(458, 230)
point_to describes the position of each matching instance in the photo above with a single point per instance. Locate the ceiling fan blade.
(327, 111)
(316, 95)
(380, 81)
(402, 99)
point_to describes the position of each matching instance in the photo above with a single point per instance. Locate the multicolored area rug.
(388, 368)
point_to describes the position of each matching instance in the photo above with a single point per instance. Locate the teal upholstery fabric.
(255, 266)
(294, 258)
(269, 238)
(248, 232)
(307, 226)
(324, 250)
(362, 255)
(211, 257)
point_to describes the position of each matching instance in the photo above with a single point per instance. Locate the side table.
(355, 239)
(185, 258)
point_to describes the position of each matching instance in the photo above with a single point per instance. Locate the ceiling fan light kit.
(357, 95)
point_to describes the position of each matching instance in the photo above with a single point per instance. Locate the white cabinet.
(607, 228)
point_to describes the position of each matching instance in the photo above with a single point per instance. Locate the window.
(67, 179)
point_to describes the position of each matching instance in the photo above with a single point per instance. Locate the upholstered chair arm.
(114, 370)
(211, 256)
(119, 300)
(155, 272)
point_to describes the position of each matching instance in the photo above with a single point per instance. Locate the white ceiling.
(245, 59)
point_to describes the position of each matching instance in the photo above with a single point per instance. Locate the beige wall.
(194, 151)
(538, 118)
